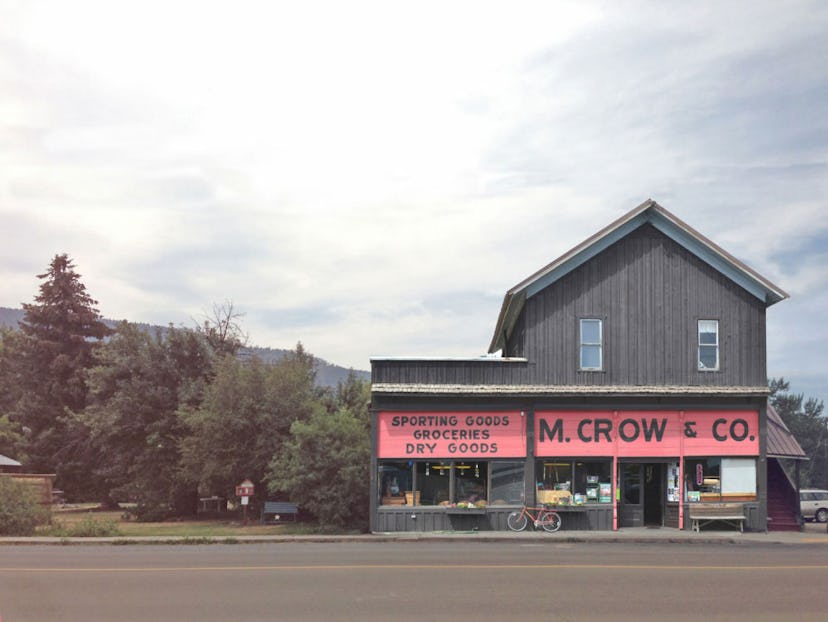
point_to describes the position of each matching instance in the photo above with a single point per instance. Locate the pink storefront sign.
(647, 433)
(449, 434)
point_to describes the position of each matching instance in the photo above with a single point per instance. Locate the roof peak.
(662, 219)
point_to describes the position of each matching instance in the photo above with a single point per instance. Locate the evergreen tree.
(805, 420)
(60, 331)
(11, 437)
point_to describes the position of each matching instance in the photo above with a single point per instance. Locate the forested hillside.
(327, 374)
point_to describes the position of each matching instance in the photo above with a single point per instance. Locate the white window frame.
(707, 323)
(582, 344)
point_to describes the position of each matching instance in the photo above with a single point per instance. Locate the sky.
(370, 178)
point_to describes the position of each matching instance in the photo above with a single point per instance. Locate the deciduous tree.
(324, 468)
(139, 383)
(244, 420)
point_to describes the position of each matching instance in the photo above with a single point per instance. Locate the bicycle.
(548, 519)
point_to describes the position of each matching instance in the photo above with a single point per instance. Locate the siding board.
(651, 292)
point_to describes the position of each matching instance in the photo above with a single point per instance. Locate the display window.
(574, 481)
(507, 483)
(720, 479)
(394, 479)
(446, 482)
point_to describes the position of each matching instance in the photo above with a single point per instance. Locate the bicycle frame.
(545, 518)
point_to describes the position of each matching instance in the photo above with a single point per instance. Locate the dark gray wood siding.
(650, 292)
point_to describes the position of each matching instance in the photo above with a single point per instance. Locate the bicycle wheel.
(550, 521)
(517, 521)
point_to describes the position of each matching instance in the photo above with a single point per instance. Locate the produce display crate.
(556, 497)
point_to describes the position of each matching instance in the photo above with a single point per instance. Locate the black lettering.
(550, 433)
(603, 426)
(581, 425)
(622, 430)
(395, 421)
(653, 429)
(719, 437)
(739, 435)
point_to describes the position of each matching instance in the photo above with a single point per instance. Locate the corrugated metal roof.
(781, 443)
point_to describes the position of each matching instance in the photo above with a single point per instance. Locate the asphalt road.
(414, 581)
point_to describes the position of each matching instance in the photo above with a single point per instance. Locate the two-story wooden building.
(625, 381)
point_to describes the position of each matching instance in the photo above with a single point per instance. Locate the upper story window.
(591, 345)
(708, 345)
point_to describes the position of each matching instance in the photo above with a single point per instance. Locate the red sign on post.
(245, 489)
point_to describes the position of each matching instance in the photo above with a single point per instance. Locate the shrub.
(89, 527)
(149, 512)
(19, 511)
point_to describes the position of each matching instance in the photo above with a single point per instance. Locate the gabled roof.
(648, 212)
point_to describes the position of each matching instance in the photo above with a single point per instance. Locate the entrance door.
(631, 508)
(654, 496)
(642, 498)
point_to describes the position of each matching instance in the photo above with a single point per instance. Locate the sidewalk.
(813, 535)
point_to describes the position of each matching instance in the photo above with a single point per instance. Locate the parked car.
(813, 504)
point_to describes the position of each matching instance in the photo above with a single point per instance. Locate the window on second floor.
(708, 345)
(591, 358)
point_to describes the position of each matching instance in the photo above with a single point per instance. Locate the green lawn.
(91, 523)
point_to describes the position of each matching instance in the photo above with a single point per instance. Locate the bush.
(19, 510)
(89, 527)
(149, 512)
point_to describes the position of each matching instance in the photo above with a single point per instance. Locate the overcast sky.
(370, 178)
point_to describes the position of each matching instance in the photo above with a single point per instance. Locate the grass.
(105, 523)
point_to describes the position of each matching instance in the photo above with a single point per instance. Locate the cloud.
(374, 186)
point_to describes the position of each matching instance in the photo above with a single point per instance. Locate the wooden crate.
(558, 497)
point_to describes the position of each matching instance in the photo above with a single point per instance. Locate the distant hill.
(327, 374)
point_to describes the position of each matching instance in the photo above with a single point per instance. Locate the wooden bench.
(702, 514)
(277, 510)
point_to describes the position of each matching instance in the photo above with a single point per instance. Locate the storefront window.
(507, 483)
(471, 482)
(443, 482)
(433, 482)
(720, 479)
(394, 479)
(584, 481)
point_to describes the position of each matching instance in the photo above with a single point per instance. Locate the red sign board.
(451, 434)
(647, 433)
(245, 489)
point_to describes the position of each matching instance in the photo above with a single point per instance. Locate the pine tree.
(59, 334)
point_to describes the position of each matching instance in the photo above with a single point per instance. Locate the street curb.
(622, 537)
